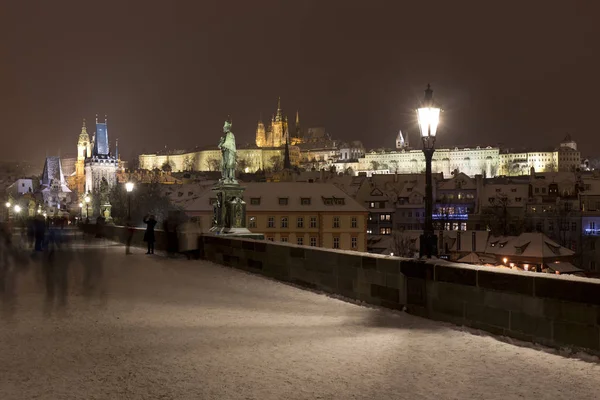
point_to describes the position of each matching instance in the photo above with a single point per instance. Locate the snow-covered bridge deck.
(156, 328)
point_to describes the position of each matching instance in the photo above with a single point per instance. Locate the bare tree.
(188, 163)
(375, 165)
(403, 245)
(213, 164)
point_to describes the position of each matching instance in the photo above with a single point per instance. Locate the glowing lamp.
(80, 205)
(505, 260)
(129, 187)
(428, 116)
(7, 204)
(17, 208)
(247, 169)
(87, 199)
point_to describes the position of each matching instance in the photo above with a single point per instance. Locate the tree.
(188, 163)
(146, 198)
(375, 165)
(166, 167)
(495, 215)
(242, 164)
(213, 164)
(403, 245)
(394, 165)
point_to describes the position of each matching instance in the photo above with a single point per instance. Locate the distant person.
(39, 231)
(30, 232)
(100, 221)
(149, 237)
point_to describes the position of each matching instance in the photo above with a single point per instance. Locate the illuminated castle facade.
(277, 133)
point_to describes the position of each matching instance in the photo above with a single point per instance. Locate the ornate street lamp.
(87, 200)
(429, 117)
(129, 188)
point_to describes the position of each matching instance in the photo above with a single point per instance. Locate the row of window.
(284, 222)
(305, 201)
(314, 243)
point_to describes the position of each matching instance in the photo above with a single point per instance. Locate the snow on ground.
(143, 327)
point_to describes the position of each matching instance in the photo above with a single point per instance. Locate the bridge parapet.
(556, 311)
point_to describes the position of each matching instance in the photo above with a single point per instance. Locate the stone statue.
(229, 154)
(104, 191)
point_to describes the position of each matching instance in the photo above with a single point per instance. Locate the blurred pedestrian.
(149, 236)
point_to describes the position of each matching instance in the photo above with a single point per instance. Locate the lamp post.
(81, 211)
(129, 188)
(429, 116)
(87, 206)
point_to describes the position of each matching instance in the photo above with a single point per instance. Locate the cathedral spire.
(279, 113)
(83, 128)
(117, 148)
(286, 157)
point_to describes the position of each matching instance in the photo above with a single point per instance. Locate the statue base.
(229, 218)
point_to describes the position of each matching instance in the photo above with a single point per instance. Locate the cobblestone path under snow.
(148, 327)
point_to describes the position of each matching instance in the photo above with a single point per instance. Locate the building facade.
(307, 214)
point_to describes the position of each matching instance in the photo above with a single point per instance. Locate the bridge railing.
(556, 311)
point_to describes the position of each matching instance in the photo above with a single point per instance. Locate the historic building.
(487, 161)
(101, 165)
(308, 214)
(53, 187)
(277, 133)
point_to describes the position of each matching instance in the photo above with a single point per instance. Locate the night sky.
(521, 73)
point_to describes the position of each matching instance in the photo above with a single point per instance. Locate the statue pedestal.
(229, 210)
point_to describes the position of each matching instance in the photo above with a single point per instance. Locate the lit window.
(354, 222)
(313, 222)
(336, 242)
(251, 222)
(313, 241)
(300, 222)
(284, 222)
(271, 222)
(336, 222)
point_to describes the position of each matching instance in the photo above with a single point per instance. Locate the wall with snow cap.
(555, 311)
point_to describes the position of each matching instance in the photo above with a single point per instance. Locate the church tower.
(261, 139)
(84, 150)
(279, 131)
(101, 166)
(400, 144)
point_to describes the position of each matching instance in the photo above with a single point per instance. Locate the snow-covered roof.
(322, 197)
(529, 244)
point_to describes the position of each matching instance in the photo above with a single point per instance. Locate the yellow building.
(307, 214)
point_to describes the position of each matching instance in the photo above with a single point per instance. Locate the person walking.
(149, 237)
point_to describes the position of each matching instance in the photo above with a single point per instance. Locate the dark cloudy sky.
(522, 73)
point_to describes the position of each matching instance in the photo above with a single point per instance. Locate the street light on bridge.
(87, 200)
(429, 117)
(129, 187)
